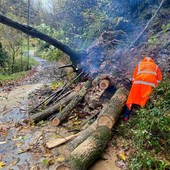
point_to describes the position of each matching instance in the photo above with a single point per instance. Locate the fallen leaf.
(2, 165)
(2, 142)
(162, 141)
(61, 159)
(45, 162)
(121, 155)
(18, 138)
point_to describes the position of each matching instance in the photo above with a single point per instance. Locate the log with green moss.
(67, 110)
(90, 150)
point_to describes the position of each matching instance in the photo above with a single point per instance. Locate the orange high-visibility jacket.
(146, 76)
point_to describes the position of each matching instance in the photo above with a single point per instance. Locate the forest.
(66, 70)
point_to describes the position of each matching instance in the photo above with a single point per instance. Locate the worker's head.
(149, 59)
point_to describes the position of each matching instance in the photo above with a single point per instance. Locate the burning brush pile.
(105, 58)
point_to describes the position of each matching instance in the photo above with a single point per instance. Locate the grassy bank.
(148, 132)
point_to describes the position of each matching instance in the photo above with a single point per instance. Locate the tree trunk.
(48, 112)
(74, 56)
(67, 110)
(110, 114)
(90, 150)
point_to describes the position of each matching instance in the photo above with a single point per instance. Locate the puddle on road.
(15, 116)
(11, 141)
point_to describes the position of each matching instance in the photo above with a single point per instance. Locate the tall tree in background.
(28, 38)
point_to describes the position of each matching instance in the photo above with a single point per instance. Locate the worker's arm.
(159, 75)
(134, 73)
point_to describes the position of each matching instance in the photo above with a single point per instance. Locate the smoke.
(104, 28)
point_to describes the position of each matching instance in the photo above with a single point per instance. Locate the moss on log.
(91, 149)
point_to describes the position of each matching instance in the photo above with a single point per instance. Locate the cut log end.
(55, 122)
(104, 84)
(105, 120)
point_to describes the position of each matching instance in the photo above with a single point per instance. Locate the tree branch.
(74, 56)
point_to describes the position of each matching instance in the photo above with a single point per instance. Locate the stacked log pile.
(91, 142)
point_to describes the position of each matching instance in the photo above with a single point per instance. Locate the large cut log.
(104, 84)
(67, 110)
(90, 150)
(74, 56)
(50, 111)
(104, 81)
(109, 112)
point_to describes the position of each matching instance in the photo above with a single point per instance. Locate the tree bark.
(90, 150)
(48, 112)
(67, 110)
(110, 114)
(74, 56)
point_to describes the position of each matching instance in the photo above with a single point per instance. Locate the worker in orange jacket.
(146, 76)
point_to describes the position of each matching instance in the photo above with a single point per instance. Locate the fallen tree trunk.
(74, 56)
(110, 113)
(67, 110)
(90, 150)
(50, 111)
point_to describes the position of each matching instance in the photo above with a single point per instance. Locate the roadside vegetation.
(148, 132)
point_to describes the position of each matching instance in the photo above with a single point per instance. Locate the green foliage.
(153, 40)
(52, 54)
(6, 70)
(3, 57)
(12, 77)
(46, 29)
(166, 27)
(151, 131)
